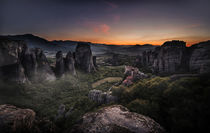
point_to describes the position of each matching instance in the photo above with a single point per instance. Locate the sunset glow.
(112, 22)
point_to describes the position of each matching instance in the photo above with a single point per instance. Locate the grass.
(108, 79)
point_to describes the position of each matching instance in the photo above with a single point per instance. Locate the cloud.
(111, 4)
(116, 18)
(95, 26)
(102, 28)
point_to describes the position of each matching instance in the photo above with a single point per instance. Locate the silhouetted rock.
(60, 66)
(70, 63)
(116, 119)
(13, 119)
(84, 58)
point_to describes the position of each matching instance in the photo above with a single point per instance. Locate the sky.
(108, 21)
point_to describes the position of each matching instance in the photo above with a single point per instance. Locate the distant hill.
(50, 47)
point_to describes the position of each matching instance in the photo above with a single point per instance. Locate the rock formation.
(116, 119)
(101, 97)
(28, 60)
(175, 57)
(200, 58)
(14, 73)
(60, 65)
(13, 119)
(44, 71)
(20, 64)
(84, 58)
(132, 74)
(69, 63)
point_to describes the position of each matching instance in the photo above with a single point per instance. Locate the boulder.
(13, 119)
(84, 58)
(60, 66)
(116, 119)
(69, 64)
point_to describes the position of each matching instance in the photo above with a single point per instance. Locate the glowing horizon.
(116, 22)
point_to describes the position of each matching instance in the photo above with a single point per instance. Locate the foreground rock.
(17, 120)
(116, 119)
(13, 119)
(84, 58)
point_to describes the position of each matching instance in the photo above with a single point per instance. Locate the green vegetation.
(45, 98)
(182, 105)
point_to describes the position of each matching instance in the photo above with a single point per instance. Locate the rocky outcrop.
(200, 58)
(70, 63)
(116, 119)
(101, 97)
(14, 73)
(132, 74)
(175, 57)
(84, 58)
(10, 51)
(13, 119)
(60, 65)
(64, 65)
(28, 60)
(21, 64)
(44, 71)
